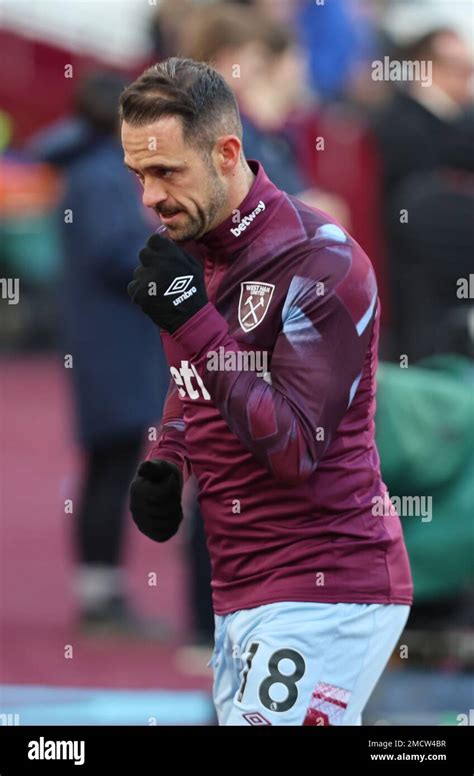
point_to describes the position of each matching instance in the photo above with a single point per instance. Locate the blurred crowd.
(337, 119)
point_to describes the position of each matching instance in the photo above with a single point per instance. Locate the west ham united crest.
(254, 302)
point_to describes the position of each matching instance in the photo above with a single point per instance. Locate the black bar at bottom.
(68, 749)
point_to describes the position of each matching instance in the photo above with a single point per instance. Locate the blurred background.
(98, 624)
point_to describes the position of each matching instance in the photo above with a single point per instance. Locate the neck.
(242, 182)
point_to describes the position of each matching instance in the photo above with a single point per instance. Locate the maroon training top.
(285, 456)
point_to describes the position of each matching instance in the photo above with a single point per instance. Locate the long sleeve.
(171, 445)
(317, 362)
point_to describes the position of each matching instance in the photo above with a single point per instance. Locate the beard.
(193, 226)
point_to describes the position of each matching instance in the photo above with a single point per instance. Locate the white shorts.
(301, 663)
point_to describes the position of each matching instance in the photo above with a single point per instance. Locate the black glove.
(168, 284)
(155, 499)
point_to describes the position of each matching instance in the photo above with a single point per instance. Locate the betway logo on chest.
(247, 220)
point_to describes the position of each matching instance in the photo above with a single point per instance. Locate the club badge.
(254, 302)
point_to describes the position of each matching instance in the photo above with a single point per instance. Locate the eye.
(164, 173)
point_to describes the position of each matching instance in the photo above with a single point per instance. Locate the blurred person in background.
(337, 39)
(118, 368)
(413, 128)
(165, 25)
(411, 133)
(263, 64)
(434, 251)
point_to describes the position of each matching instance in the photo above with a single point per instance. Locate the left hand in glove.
(168, 284)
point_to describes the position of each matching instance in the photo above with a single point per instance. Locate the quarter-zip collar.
(243, 226)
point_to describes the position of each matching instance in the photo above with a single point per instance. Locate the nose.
(153, 193)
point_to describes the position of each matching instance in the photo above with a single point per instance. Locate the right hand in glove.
(155, 499)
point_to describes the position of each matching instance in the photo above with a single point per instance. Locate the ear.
(227, 153)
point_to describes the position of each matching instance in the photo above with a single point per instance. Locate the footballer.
(311, 589)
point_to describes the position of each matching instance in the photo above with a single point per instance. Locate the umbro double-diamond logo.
(180, 285)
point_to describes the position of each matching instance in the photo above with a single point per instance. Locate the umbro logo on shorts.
(255, 718)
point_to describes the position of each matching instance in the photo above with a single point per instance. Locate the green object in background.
(5, 130)
(30, 246)
(425, 436)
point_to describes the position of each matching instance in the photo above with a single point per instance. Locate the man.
(434, 250)
(269, 319)
(411, 133)
(412, 130)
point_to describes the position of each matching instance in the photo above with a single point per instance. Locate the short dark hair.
(192, 90)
